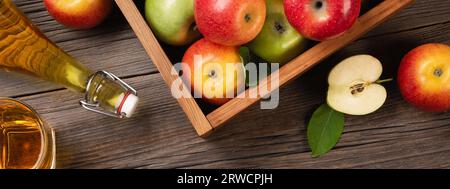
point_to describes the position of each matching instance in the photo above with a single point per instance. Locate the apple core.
(358, 88)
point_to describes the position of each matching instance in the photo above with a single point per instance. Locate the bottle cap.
(128, 104)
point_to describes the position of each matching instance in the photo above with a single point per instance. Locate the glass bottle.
(24, 48)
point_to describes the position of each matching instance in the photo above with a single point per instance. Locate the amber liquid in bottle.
(25, 142)
(24, 48)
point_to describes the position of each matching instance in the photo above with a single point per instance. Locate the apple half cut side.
(353, 87)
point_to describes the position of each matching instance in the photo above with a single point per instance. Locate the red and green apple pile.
(278, 31)
(275, 30)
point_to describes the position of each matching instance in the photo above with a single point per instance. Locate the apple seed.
(358, 88)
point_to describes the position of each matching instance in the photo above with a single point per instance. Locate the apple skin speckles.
(230, 22)
(322, 19)
(206, 70)
(424, 77)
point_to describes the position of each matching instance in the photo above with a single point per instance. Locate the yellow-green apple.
(354, 88)
(172, 21)
(322, 19)
(424, 77)
(79, 14)
(278, 41)
(230, 22)
(216, 72)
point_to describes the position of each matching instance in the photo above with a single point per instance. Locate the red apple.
(79, 14)
(230, 22)
(214, 71)
(322, 19)
(424, 77)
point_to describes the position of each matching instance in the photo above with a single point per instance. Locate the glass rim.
(43, 131)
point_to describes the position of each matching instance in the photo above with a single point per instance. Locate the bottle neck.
(24, 48)
(109, 95)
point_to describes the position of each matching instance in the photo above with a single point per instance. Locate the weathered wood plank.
(160, 136)
(421, 13)
(113, 46)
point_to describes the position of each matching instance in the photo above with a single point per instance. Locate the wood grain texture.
(122, 54)
(111, 46)
(160, 135)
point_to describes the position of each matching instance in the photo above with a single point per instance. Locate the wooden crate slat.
(162, 62)
(308, 59)
(204, 125)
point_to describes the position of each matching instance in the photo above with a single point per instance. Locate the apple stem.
(384, 81)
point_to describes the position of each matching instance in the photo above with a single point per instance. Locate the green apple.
(278, 41)
(172, 21)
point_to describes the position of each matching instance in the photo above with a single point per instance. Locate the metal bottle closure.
(95, 106)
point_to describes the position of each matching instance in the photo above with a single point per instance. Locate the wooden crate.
(203, 123)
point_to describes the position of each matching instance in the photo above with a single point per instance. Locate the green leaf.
(324, 130)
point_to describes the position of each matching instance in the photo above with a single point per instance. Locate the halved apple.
(353, 86)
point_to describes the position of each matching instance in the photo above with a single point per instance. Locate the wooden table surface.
(160, 136)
